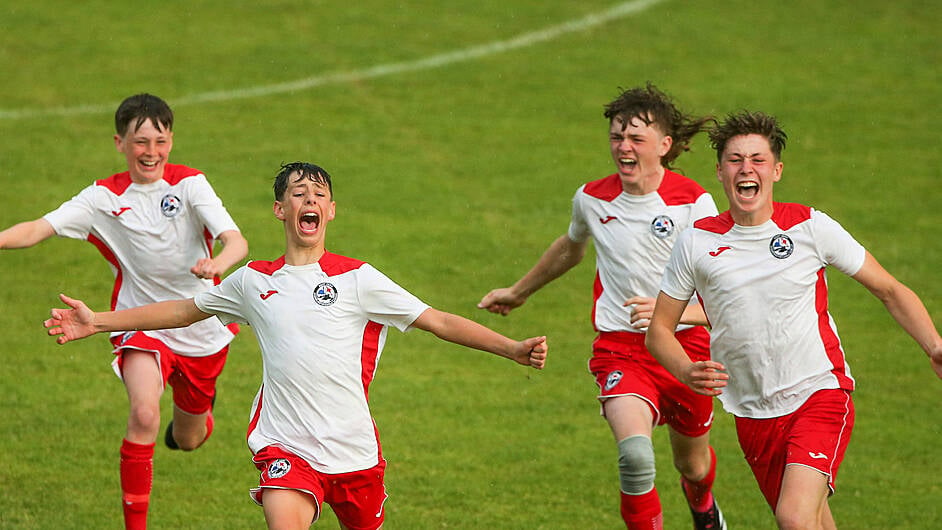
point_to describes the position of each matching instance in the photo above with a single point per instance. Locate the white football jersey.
(151, 235)
(633, 237)
(764, 291)
(321, 328)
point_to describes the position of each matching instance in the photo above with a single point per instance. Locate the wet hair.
(307, 170)
(653, 107)
(748, 122)
(143, 107)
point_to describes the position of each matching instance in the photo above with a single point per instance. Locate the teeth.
(628, 161)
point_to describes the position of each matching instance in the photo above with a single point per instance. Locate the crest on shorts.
(170, 205)
(781, 246)
(662, 226)
(613, 379)
(325, 293)
(279, 468)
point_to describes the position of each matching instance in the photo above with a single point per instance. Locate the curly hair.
(653, 107)
(748, 122)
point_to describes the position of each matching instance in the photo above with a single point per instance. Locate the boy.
(634, 216)
(155, 224)
(759, 271)
(321, 321)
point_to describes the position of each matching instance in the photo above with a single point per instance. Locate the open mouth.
(628, 162)
(747, 190)
(309, 222)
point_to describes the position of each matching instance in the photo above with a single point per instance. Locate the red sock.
(137, 475)
(699, 495)
(209, 426)
(642, 512)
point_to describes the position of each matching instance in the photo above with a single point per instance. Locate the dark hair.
(143, 107)
(653, 107)
(304, 169)
(748, 122)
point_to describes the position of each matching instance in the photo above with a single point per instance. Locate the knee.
(144, 419)
(636, 465)
(694, 465)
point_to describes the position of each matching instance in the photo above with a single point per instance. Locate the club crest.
(279, 468)
(613, 379)
(325, 293)
(662, 226)
(781, 246)
(170, 205)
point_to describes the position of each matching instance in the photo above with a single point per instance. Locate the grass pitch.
(457, 134)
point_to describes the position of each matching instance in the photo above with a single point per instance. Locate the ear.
(719, 176)
(332, 212)
(118, 143)
(665, 146)
(279, 210)
(777, 172)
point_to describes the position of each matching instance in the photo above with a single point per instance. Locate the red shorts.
(815, 435)
(622, 366)
(357, 498)
(193, 379)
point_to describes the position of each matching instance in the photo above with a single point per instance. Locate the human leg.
(803, 501)
(695, 459)
(632, 422)
(144, 385)
(194, 393)
(287, 509)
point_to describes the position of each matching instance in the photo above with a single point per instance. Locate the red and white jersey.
(151, 235)
(764, 291)
(633, 237)
(321, 328)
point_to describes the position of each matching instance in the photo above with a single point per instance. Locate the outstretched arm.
(704, 377)
(79, 321)
(460, 330)
(26, 234)
(562, 255)
(234, 248)
(905, 307)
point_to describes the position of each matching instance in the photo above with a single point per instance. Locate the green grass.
(453, 180)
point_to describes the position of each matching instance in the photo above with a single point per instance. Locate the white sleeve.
(835, 244)
(704, 206)
(385, 302)
(225, 300)
(209, 207)
(74, 217)
(678, 280)
(578, 227)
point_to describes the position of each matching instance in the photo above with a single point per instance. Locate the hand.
(935, 359)
(71, 324)
(531, 352)
(706, 377)
(501, 301)
(642, 307)
(205, 268)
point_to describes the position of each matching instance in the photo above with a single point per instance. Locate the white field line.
(527, 39)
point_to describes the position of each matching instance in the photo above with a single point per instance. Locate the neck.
(646, 185)
(304, 256)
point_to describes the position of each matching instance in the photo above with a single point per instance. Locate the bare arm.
(642, 308)
(704, 377)
(562, 255)
(234, 248)
(26, 234)
(459, 330)
(79, 321)
(904, 306)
